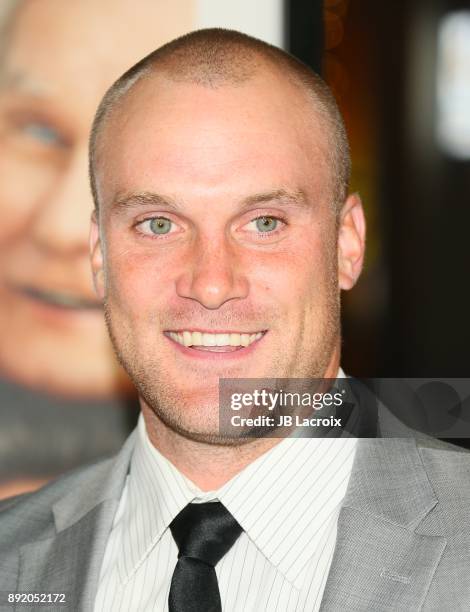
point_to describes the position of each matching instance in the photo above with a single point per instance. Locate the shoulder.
(447, 465)
(442, 459)
(443, 451)
(30, 516)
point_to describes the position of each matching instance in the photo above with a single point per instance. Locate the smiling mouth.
(59, 299)
(215, 342)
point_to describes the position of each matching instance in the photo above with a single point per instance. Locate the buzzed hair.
(216, 57)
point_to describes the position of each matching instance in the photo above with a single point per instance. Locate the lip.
(240, 353)
(214, 331)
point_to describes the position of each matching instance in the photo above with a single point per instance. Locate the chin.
(207, 433)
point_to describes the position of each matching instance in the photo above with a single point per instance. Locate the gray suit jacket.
(403, 540)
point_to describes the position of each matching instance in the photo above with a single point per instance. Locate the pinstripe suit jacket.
(403, 538)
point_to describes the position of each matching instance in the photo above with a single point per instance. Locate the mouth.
(219, 342)
(60, 299)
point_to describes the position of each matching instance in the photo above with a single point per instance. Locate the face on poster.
(57, 61)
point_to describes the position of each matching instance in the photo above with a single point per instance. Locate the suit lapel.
(379, 566)
(69, 562)
(380, 563)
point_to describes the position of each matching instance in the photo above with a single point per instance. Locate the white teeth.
(235, 340)
(209, 339)
(223, 339)
(188, 338)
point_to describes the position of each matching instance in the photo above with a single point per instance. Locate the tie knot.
(205, 532)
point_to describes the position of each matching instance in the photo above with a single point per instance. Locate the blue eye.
(157, 226)
(42, 132)
(266, 224)
(160, 225)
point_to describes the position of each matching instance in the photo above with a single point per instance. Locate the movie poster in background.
(64, 400)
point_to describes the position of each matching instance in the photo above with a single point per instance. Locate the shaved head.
(219, 164)
(215, 58)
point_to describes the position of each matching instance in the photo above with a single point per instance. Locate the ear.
(96, 255)
(351, 242)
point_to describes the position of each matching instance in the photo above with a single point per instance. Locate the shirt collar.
(275, 495)
(156, 493)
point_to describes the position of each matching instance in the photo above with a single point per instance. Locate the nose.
(61, 222)
(213, 274)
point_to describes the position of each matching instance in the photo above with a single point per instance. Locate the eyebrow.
(282, 197)
(125, 202)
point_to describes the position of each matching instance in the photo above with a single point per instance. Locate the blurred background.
(401, 74)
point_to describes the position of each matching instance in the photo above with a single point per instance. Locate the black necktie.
(203, 533)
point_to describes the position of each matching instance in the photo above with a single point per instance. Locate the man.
(222, 236)
(57, 59)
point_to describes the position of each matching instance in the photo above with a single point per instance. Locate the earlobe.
(96, 256)
(351, 242)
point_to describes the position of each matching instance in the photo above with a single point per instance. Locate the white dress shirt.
(287, 502)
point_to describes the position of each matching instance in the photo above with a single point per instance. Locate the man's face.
(217, 226)
(60, 59)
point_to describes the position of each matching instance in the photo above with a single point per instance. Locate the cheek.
(294, 273)
(136, 283)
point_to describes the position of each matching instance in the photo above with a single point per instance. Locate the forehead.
(178, 135)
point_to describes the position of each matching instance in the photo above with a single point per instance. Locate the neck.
(209, 466)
